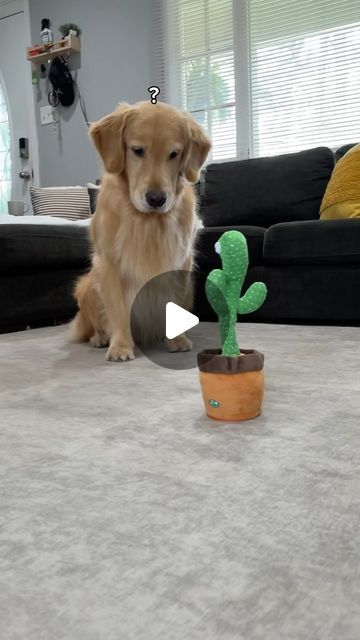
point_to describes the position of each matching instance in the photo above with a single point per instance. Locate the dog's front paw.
(180, 343)
(119, 353)
(99, 340)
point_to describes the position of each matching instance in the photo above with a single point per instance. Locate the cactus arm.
(215, 289)
(253, 298)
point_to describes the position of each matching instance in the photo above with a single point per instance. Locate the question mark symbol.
(154, 93)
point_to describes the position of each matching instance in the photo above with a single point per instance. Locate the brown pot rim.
(211, 361)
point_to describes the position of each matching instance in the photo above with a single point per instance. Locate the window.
(202, 64)
(5, 155)
(305, 74)
(266, 76)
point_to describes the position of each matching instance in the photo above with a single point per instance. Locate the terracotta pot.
(232, 388)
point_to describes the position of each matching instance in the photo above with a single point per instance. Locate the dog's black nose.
(155, 199)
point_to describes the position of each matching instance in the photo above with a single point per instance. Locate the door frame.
(30, 93)
(8, 8)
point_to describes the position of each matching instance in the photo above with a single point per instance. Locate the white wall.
(114, 65)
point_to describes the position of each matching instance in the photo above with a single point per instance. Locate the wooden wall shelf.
(70, 44)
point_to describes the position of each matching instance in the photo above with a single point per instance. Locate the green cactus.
(223, 289)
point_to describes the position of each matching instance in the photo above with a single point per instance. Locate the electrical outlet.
(46, 115)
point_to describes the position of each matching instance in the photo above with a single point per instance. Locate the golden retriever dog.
(144, 226)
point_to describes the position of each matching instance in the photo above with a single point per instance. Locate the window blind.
(305, 74)
(263, 76)
(201, 52)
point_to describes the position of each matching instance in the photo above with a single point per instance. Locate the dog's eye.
(173, 155)
(139, 151)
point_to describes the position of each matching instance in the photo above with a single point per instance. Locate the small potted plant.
(69, 28)
(232, 380)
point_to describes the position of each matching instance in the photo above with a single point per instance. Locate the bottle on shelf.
(46, 33)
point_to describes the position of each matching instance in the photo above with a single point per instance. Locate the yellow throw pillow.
(342, 195)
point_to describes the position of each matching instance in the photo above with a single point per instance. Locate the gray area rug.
(127, 514)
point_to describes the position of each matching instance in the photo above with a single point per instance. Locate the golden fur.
(145, 148)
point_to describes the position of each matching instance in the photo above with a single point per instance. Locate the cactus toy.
(232, 380)
(223, 288)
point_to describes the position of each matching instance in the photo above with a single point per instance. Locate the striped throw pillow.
(71, 203)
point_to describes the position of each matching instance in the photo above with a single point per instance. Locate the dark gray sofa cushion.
(314, 242)
(28, 247)
(340, 152)
(206, 256)
(37, 297)
(265, 191)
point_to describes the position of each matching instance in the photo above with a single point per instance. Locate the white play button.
(171, 321)
(178, 320)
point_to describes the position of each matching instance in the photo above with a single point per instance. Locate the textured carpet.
(126, 514)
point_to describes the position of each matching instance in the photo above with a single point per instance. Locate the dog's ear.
(108, 137)
(197, 149)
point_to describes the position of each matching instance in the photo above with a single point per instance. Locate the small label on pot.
(214, 403)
